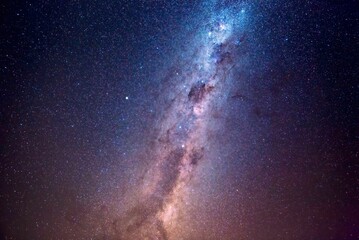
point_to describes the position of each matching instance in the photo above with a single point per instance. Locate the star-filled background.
(193, 120)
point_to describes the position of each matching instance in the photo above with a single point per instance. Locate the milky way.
(182, 138)
(203, 120)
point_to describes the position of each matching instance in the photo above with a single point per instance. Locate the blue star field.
(179, 120)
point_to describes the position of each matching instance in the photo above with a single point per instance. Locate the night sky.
(179, 120)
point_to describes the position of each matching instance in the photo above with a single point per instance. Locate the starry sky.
(179, 120)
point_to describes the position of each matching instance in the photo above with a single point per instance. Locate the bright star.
(222, 26)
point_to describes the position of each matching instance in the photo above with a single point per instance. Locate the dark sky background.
(193, 120)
